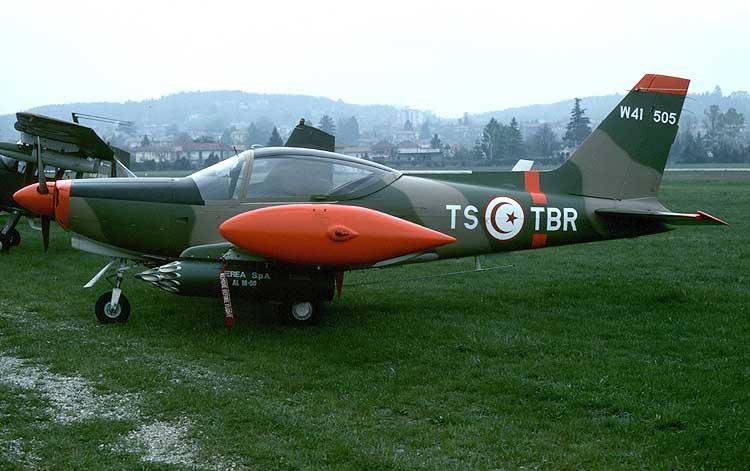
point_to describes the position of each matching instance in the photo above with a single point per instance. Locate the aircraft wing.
(89, 143)
(661, 216)
(311, 138)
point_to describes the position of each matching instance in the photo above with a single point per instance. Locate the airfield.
(624, 354)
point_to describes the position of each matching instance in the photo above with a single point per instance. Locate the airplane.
(284, 224)
(50, 142)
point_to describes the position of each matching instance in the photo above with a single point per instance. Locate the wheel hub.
(302, 311)
(112, 311)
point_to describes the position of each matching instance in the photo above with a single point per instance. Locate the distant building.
(354, 151)
(383, 150)
(155, 153)
(418, 155)
(416, 117)
(197, 153)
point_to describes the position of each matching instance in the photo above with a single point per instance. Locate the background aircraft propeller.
(43, 190)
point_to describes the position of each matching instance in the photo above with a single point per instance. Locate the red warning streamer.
(228, 312)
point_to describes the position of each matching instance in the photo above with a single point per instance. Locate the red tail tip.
(655, 83)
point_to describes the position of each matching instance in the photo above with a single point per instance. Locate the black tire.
(302, 313)
(15, 238)
(4, 243)
(104, 313)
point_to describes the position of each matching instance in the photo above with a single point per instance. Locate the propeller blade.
(42, 188)
(45, 232)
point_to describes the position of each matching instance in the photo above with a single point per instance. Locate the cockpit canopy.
(291, 174)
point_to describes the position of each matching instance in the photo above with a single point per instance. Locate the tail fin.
(625, 156)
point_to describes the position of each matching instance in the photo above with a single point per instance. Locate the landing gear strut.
(114, 306)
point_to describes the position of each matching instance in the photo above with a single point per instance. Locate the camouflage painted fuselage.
(165, 217)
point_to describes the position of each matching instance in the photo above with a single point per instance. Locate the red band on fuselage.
(538, 241)
(532, 182)
(534, 187)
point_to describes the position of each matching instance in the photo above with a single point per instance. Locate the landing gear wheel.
(302, 312)
(15, 238)
(106, 313)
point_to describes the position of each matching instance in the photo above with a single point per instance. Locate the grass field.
(625, 354)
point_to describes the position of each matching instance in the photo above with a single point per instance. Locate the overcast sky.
(445, 56)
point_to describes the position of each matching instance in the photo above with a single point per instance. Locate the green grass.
(624, 354)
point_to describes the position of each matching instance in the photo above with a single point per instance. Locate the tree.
(579, 126)
(544, 142)
(211, 160)
(424, 131)
(713, 124)
(515, 140)
(255, 136)
(732, 123)
(326, 124)
(348, 132)
(275, 139)
(145, 142)
(436, 143)
(226, 136)
(492, 141)
(693, 150)
(723, 133)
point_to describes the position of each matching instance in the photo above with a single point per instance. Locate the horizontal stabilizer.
(662, 216)
(523, 165)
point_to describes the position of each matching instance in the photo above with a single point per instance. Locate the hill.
(597, 107)
(216, 110)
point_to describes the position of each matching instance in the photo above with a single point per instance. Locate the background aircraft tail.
(624, 157)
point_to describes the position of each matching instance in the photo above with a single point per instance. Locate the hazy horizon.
(434, 56)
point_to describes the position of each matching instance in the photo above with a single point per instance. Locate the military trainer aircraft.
(49, 142)
(284, 224)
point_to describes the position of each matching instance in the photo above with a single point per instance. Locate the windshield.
(219, 182)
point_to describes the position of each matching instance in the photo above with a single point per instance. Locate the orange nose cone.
(35, 202)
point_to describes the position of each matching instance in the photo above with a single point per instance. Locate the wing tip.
(703, 216)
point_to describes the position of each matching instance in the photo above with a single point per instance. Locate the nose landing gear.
(113, 306)
(108, 311)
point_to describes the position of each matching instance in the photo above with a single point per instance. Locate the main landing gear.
(302, 312)
(9, 236)
(113, 306)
